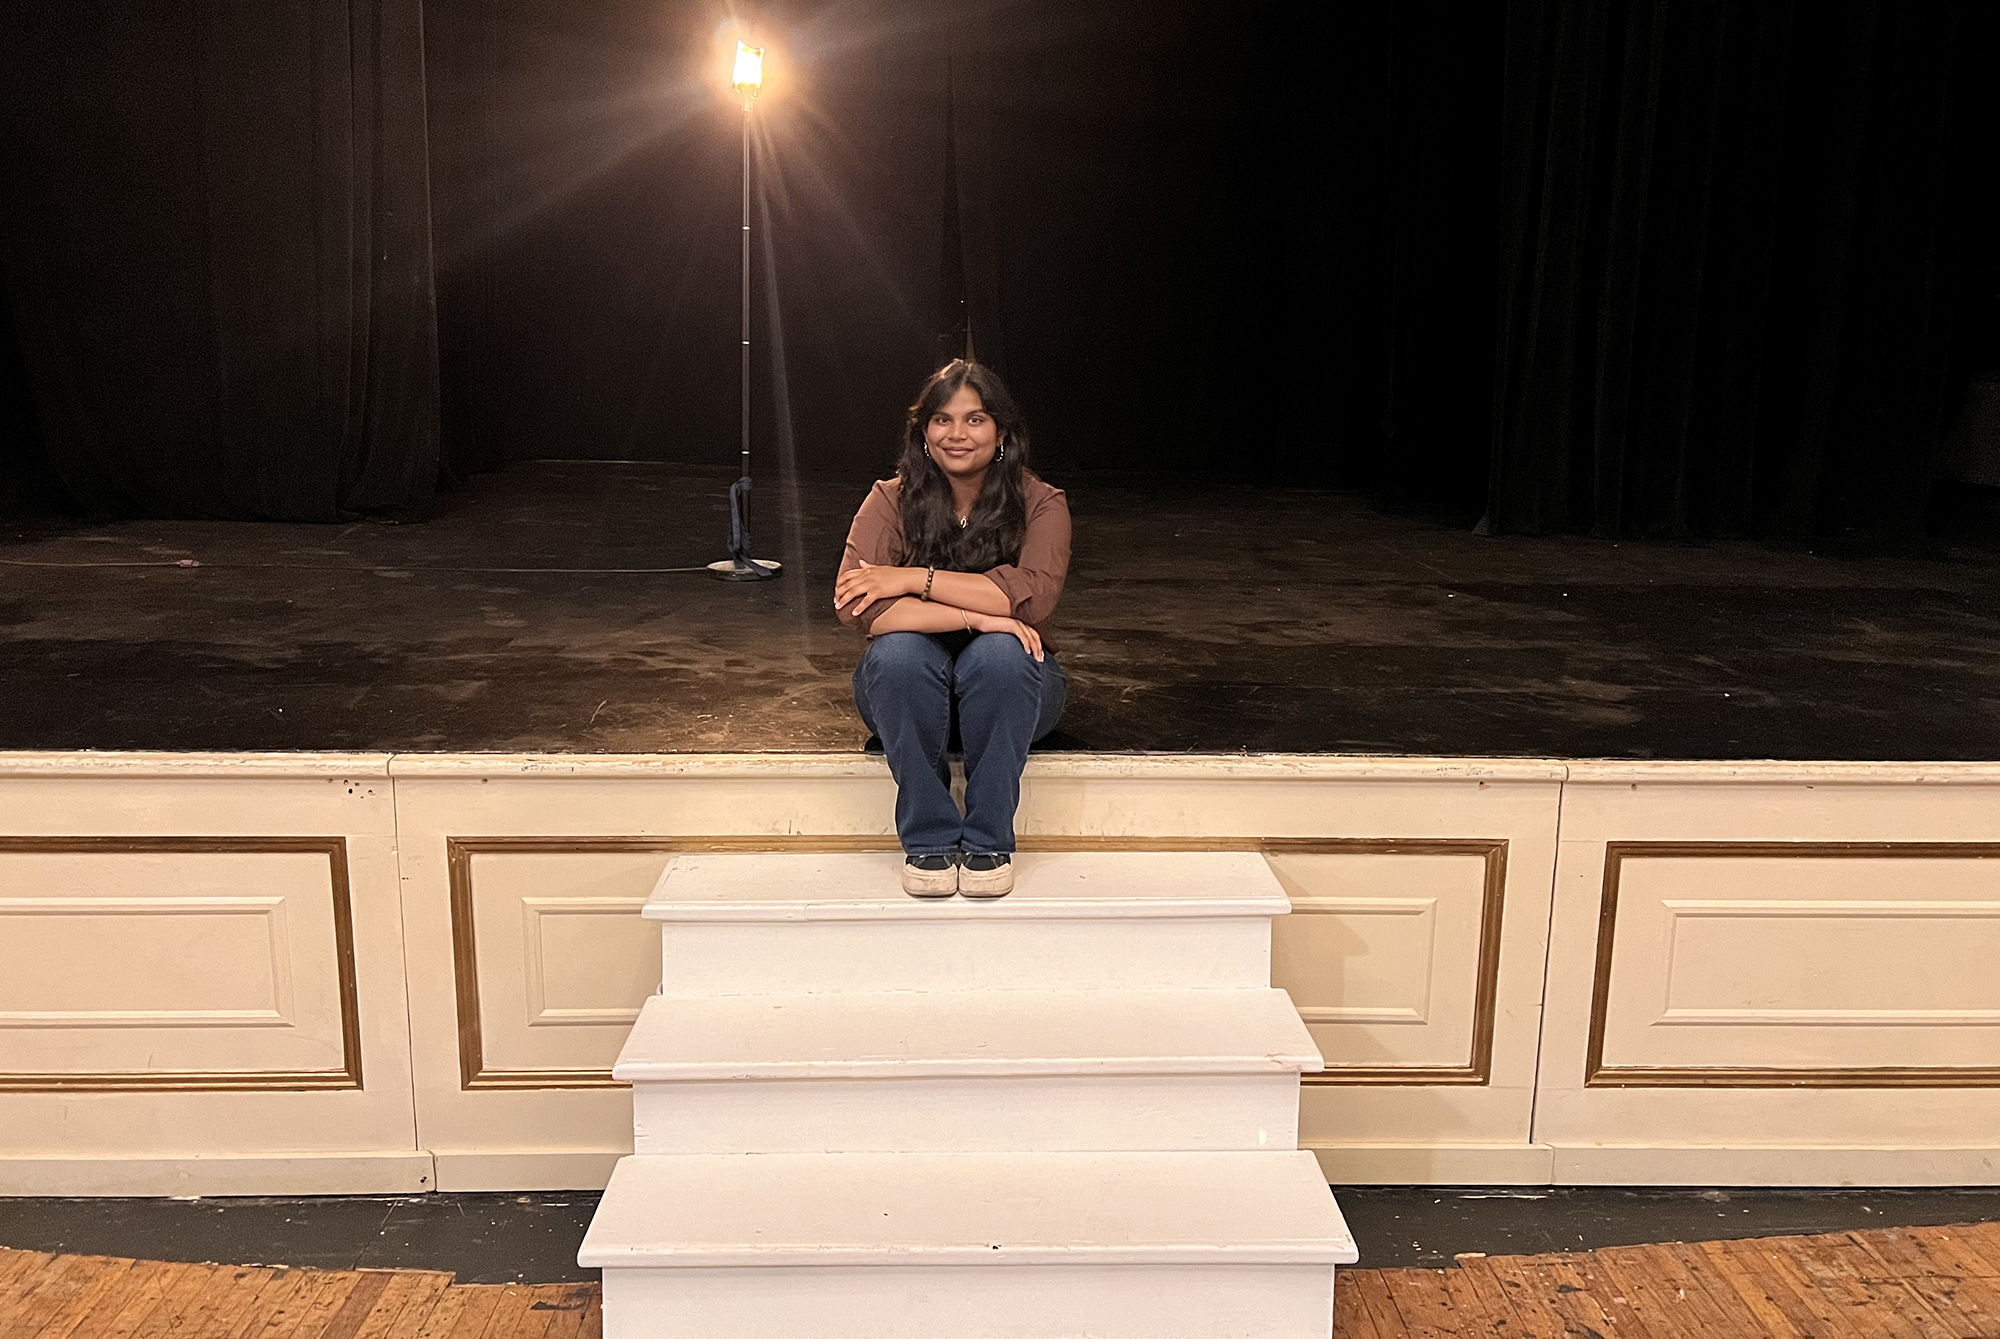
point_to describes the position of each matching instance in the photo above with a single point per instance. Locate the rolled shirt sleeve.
(875, 537)
(1035, 582)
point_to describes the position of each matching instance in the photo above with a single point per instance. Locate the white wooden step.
(975, 1246)
(762, 924)
(816, 1209)
(967, 1071)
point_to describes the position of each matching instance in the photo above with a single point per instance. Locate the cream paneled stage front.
(337, 973)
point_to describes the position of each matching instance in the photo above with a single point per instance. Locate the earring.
(1003, 452)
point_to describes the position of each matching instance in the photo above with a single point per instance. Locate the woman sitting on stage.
(952, 569)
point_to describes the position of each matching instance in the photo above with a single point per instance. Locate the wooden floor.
(1920, 1281)
(1934, 1281)
(96, 1297)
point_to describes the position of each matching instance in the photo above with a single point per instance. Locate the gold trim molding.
(1597, 1074)
(459, 851)
(348, 1076)
(1477, 1071)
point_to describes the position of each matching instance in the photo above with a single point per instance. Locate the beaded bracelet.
(930, 575)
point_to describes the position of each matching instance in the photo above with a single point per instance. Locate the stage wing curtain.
(1386, 298)
(1731, 248)
(218, 248)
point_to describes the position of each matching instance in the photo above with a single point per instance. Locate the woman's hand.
(870, 584)
(1031, 641)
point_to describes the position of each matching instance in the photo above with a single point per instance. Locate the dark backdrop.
(1746, 262)
(1629, 266)
(217, 254)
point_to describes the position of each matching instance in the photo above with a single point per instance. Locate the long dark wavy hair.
(999, 521)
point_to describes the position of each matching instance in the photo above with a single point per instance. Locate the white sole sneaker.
(930, 882)
(986, 883)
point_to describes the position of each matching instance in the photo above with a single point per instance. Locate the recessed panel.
(175, 961)
(586, 963)
(1381, 954)
(1358, 959)
(182, 961)
(1794, 962)
(563, 958)
(1804, 962)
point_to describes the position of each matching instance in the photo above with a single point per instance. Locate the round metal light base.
(746, 569)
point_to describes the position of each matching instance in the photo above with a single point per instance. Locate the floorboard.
(1898, 1283)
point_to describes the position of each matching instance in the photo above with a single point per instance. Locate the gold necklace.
(964, 521)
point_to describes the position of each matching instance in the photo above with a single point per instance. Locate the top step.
(851, 886)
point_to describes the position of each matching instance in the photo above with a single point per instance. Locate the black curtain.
(1137, 162)
(1389, 249)
(28, 485)
(1623, 266)
(217, 246)
(1737, 244)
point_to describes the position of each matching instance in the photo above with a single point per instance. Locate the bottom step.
(969, 1245)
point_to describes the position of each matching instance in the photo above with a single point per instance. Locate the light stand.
(740, 566)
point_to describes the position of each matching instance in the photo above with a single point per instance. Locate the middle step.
(967, 1071)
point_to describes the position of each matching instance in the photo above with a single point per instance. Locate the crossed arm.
(959, 601)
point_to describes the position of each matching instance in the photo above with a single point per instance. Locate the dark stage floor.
(532, 614)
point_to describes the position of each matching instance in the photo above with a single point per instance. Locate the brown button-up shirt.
(1034, 583)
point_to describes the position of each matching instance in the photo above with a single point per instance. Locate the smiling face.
(962, 437)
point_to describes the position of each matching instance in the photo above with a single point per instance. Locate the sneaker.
(930, 875)
(985, 875)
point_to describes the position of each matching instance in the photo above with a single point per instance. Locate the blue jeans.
(906, 686)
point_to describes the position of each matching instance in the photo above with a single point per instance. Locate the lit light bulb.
(749, 75)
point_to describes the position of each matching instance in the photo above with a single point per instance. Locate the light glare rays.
(544, 143)
(554, 155)
(598, 158)
(789, 497)
(808, 194)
